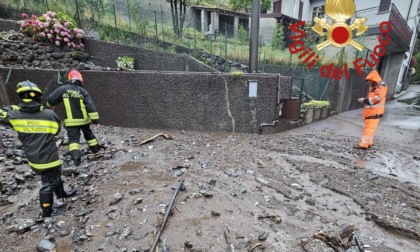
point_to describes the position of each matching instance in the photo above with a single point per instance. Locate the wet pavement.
(404, 112)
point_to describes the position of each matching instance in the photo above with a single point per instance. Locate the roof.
(279, 16)
(221, 11)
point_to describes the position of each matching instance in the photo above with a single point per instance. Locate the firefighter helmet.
(75, 76)
(27, 91)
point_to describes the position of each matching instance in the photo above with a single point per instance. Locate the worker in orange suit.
(374, 107)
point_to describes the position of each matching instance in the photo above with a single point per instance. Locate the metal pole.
(152, 249)
(226, 61)
(115, 21)
(211, 51)
(156, 30)
(195, 42)
(253, 40)
(161, 19)
(301, 94)
(129, 16)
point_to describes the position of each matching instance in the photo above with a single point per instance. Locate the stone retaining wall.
(169, 100)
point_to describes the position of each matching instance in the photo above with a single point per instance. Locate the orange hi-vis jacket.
(375, 101)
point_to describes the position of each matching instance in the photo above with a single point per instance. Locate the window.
(384, 5)
(300, 10)
(318, 12)
(277, 7)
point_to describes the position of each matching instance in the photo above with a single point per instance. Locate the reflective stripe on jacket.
(376, 101)
(79, 106)
(36, 128)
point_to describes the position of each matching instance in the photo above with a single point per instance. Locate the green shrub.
(125, 63)
(315, 104)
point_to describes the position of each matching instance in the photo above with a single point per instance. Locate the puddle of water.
(196, 222)
(64, 247)
(360, 163)
(132, 166)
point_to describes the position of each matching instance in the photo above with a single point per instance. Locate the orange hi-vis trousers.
(369, 132)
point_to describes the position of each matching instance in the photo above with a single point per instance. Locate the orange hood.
(374, 76)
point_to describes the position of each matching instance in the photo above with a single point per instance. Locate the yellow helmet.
(27, 91)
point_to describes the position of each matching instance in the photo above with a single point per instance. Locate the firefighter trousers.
(73, 133)
(51, 183)
(369, 132)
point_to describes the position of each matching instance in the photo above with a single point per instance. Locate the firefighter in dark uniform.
(37, 128)
(80, 112)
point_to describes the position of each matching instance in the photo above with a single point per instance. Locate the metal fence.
(129, 22)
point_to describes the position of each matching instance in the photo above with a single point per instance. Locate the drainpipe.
(409, 10)
(416, 26)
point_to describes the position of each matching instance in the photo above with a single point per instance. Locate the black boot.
(61, 193)
(76, 156)
(94, 148)
(46, 200)
(70, 192)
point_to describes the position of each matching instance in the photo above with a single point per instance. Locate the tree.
(277, 41)
(246, 5)
(178, 10)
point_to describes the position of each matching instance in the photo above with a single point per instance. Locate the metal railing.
(379, 14)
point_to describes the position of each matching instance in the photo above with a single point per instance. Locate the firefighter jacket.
(375, 101)
(79, 106)
(36, 128)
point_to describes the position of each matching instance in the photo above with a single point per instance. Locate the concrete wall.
(267, 28)
(189, 101)
(104, 54)
(391, 71)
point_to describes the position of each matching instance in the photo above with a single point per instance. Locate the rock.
(116, 198)
(21, 170)
(45, 246)
(296, 186)
(105, 245)
(231, 173)
(12, 199)
(310, 202)
(188, 244)
(136, 191)
(137, 201)
(24, 225)
(69, 170)
(63, 232)
(263, 236)
(316, 245)
(45, 64)
(19, 178)
(126, 232)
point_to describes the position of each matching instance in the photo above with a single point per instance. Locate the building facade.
(403, 16)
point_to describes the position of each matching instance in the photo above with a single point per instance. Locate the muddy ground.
(242, 192)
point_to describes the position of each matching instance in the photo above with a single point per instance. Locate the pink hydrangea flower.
(24, 15)
(57, 43)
